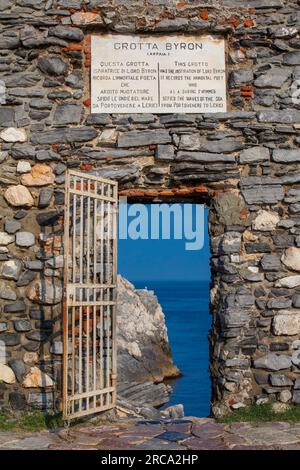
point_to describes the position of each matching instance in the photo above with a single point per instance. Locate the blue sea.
(186, 308)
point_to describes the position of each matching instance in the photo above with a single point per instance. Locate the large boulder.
(144, 353)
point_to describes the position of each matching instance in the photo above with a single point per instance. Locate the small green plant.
(34, 421)
(262, 413)
(7, 423)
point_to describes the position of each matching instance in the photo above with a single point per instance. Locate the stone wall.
(244, 162)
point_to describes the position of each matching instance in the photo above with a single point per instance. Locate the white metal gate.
(89, 317)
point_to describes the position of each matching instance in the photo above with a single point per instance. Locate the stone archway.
(245, 160)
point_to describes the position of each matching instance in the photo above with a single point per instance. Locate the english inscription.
(158, 74)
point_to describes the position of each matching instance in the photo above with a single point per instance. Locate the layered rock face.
(244, 162)
(144, 352)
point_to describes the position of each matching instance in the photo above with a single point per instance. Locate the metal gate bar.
(89, 323)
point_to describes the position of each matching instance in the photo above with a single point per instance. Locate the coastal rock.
(19, 196)
(143, 348)
(144, 394)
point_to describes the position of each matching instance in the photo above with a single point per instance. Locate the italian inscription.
(158, 74)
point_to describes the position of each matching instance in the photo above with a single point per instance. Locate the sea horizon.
(186, 308)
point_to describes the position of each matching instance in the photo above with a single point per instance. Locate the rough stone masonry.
(244, 163)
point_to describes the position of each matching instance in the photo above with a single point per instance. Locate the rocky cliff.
(144, 354)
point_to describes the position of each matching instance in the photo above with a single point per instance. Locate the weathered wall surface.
(245, 162)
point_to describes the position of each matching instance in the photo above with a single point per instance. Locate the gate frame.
(113, 375)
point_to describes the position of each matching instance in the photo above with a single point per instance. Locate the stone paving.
(184, 434)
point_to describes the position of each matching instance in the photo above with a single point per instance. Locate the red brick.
(247, 94)
(204, 15)
(234, 21)
(247, 88)
(244, 213)
(86, 167)
(73, 47)
(182, 191)
(201, 189)
(248, 23)
(167, 192)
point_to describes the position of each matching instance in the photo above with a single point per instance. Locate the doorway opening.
(180, 278)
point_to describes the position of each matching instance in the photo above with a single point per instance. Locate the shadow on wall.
(46, 293)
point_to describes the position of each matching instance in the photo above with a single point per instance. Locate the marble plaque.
(157, 74)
